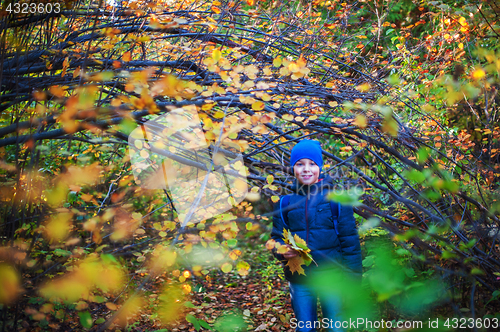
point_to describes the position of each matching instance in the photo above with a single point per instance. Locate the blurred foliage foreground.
(403, 96)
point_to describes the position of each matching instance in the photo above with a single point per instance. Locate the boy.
(311, 216)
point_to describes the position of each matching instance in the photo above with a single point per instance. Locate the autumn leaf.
(216, 54)
(258, 106)
(127, 56)
(270, 244)
(360, 121)
(478, 74)
(299, 245)
(295, 265)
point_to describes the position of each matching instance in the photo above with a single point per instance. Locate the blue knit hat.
(307, 149)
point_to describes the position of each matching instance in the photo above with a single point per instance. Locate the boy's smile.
(306, 171)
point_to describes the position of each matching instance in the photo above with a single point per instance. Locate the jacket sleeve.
(277, 232)
(349, 241)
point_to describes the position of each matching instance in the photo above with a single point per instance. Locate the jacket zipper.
(307, 226)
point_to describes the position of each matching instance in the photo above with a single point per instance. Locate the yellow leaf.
(258, 106)
(162, 259)
(360, 121)
(9, 284)
(287, 117)
(281, 249)
(242, 268)
(293, 67)
(478, 74)
(363, 87)
(129, 308)
(206, 107)
(277, 62)
(171, 304)
(57, 228)
(390, 126)
(216, 54)
(298, 240)
(275, 199)
(186, 289)
(284, 71)
(234, 254)
(301, 62)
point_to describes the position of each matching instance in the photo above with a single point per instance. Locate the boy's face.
(306, 171)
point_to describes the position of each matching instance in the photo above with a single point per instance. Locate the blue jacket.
(310, 217)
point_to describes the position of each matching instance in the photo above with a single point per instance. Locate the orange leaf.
(270, 244)
(126, 56)
(295, 265)
(111, 306)
(57, 90)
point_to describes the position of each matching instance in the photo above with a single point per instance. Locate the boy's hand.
(290, 253)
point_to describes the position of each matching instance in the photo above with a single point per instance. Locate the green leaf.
(450, 186)
(494, 296)
(416, 176)
(410, 272)
(368, 261)
(302, 246)
(394, 79)
(61, 252)
(85, 319)
(99, 299)
(447, 254)
(229, 323)
(108, 259)
(369, 224)
(422, 155)
(232, 243)
(345, 197)
(189, 304)
(100, 320)
(127, 126)
(204, 324)
(191, 319)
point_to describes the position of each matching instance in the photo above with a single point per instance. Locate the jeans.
(304, 304)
